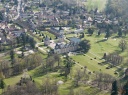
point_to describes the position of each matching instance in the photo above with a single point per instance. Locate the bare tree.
(114, 59)
(122, 45)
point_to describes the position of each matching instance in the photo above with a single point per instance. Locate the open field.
(99, 46)
(48, 34)
(93, 65)
(93, 4)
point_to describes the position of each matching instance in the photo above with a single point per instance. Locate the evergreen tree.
(125, 88)
(2, 84)
(114, 88)
(68, 64)
(42, 40)
(15, 2)
(99, 33)
(54, 11)
(22, 52)
(104, 56)
(12, 56)
(107, 33)
(82, 35)
(17, 41)
(23, 36)
(119, 32)
(85, 46)
(1, 16)
(27, 38)
(32, 43)
(90, 31)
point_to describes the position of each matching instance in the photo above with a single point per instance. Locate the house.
(65, 48)
(87, 24)
(75, 40)
(56, 31)
(61, 38)
(47, 23)
(90, 19)
(99, 18)
(17, 33)
(115, 21)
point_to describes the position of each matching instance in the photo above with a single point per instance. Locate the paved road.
(18, 9)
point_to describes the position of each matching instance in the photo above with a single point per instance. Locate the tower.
(61, 38)
(46, 41)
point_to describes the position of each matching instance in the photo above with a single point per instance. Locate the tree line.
(29, 62)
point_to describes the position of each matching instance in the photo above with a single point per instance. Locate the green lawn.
(12, 80)
(99, 46)
(92, 4)
(48, 34)
(93, 65)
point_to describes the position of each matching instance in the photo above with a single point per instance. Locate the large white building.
(60, 46)
(65, 48)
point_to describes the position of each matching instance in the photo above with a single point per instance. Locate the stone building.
(57, 31)
(61, 38)
(46, 41)
(65, 48)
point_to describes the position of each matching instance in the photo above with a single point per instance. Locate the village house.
(56, 31)
(87, 24)
(115, 21)
(17, 33)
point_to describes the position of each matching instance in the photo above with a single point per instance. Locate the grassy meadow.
(93, 4)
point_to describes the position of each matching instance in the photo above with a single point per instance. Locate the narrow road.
(18, 9)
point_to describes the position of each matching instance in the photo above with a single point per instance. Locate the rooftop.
(74, 39)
